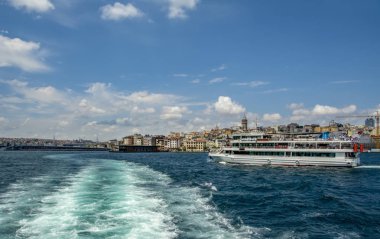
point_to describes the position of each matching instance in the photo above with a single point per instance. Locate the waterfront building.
(173, 143)
(195, 145)
(149, 140)
(138, 139)
(160, 142)
(128, 140)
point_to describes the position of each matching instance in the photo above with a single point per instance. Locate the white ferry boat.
(256, 149)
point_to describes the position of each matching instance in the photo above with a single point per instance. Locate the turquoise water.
(163, 195)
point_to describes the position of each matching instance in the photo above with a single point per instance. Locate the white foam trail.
(20, 198)
(369, 166)
(199, 218)
(121, 200)
(102, 202)
(210, 186)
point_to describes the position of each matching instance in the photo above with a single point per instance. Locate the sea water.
(182, 195)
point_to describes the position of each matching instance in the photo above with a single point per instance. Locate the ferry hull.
(285, 161)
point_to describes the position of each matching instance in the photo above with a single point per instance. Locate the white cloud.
(173, 112)
(225, 105)
(102, 110)
(220, 68)
(177, 8)
(195, 81)
(15, 52)
(140, 110)
(328, 110)
(32, 5)
(217, 80)
(251, 84)
(272, 117)
(45, 94)
(119, 11)
(99, 89)
(87, 107)
(294, 106)
(151, 98)
(318, 112)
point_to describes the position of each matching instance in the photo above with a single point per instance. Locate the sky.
(105, 69)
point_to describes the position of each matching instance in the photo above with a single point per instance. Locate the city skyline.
(87, 69)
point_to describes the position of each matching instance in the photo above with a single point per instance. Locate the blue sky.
(110, 68)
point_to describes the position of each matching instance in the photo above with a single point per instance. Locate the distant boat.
(254, 149)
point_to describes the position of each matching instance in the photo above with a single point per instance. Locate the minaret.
(244, 123)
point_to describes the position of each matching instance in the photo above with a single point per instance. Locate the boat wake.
(114, 199)
(369, 166)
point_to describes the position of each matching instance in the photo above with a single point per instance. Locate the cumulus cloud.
(225, 105)
(103, 111)
(32, 5)
(15, 52)
(299, 112)
(151, 98)
(173, 112)
(178, 8)
(272, 117)
(329, 110)
(119, 11)
(44, 94)
(87, 107)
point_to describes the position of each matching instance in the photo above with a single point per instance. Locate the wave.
(369, 166)
(117, 199)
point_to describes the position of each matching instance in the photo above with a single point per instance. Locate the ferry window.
(241, 152)
(288, 154)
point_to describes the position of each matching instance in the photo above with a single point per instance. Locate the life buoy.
(269, 162)
(298, 163)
